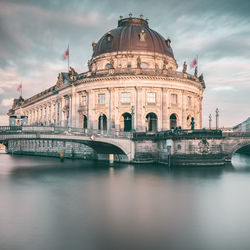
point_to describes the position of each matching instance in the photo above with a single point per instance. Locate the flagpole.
(68, 58)
(197, 62)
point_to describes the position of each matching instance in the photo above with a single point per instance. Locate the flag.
(66, 54)
(193, 63)
(19, 87)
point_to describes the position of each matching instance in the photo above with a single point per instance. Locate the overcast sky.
(35, 34)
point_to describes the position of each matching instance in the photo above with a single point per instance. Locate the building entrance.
(126, 122)
(102, 122)
(151, 120)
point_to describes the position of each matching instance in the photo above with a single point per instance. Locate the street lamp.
(132, 118)
(101, 123)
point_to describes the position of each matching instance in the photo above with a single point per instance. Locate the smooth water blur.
(53, 205)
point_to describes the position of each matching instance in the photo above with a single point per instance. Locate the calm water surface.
(46, 204)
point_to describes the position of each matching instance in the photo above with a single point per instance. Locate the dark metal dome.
(132, 34)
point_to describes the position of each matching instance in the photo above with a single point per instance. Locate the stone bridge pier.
(204, 150)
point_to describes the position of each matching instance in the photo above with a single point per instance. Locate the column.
(139, 120)
(92, 121)
(77, 106)
(109, 120)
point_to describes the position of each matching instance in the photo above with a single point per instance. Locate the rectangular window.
(84, 100)
(126, 97)
(189, 100)
(101, 98)
(174, 98)
(151, 97)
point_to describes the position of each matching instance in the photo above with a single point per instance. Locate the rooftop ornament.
(130, 15)
(141, 16)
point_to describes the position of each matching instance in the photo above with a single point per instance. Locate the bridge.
(197, 147)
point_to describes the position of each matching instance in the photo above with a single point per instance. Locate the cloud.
(4, 120)
(7, 102)
(35, 34)
(224, 88)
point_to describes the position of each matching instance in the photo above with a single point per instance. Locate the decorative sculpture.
(93, 45)
(184, 70)
(138, 62)
(196, 71)
(89, 66)
(192, 123)
(142, 36)
(73, 72)
(165, 62)
(111, 63)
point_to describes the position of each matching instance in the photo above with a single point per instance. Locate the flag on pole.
(19, 88)
(193, 64)
(66, 54)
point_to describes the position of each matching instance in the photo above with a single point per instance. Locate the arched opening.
(151, 120)
(85, 121)
(241, 157)
(102, 122)
(173, 121)
(108, 66)
(2, 149)
(126, 122)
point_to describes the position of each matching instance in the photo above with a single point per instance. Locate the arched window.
(173, 121)
(151, 120)
(108, 66)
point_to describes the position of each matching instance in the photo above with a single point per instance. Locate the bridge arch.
(239, 147)
(101, 145)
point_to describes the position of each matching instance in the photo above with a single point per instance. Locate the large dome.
(132, 34)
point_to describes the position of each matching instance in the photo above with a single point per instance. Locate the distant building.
(227, 130)
(243, 127)
(132, 83)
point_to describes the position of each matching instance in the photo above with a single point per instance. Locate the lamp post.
(217, 118)
(132, 118)
(210, 121)
(101, 123)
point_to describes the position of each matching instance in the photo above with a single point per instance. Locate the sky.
(35, 34)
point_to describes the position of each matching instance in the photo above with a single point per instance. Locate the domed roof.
(132, 34)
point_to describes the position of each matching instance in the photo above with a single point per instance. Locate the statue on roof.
(184, 70)
(59, 82)
(89, 66)
(73, 72)
(196, 71)
(138, 62)
(111, 63)
(165, 62)
(201, 78)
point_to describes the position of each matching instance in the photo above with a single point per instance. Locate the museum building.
(132, 83)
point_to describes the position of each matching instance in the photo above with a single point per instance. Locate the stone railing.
(63, 130)
(137, 71)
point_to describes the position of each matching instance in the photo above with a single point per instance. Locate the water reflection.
(48, 204)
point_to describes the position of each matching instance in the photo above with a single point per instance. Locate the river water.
(46, 204)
